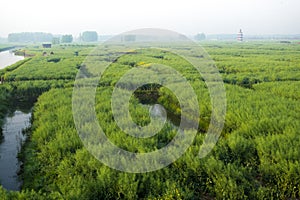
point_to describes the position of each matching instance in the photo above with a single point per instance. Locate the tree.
(200, 36)
(30, 37)
(66, 39)
(89, 36)
(55, 40)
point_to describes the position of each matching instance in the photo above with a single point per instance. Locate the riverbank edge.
(4, 107)
(7, 48)
(10, 47)
(12, 104)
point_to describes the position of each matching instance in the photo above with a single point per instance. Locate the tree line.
(39, 37)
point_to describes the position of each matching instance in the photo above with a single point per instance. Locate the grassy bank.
(5, 94)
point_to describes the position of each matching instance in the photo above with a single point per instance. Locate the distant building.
(47, 45)
(240, 36)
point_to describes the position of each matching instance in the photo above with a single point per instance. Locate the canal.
(13, 138)
(17, 119)
(8, 58)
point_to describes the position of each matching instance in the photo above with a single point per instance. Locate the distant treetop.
(89, 36)
(66, 39)
(200, 36)
(30, 37)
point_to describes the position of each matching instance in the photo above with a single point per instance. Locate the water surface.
(8, 58)
(10, 147)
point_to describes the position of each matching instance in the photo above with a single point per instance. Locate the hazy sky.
(116, 16)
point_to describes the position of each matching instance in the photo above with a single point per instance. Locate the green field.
(256, 157)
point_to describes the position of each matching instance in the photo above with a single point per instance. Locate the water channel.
(10, 146)
(17, 119)
(8, 58)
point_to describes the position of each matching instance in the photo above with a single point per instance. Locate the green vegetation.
(257, 156)
(200, 36)
(66, 39)
(248, 64)
(30, 37)
(13, 66)
(4, 99)
(60, 65)
(55, 40)
(4, 47)
(89, 36)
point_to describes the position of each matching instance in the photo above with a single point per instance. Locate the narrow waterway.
(8, 58)
(13, 137)
(10, 147)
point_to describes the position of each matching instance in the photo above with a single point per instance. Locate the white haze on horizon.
(255, 17)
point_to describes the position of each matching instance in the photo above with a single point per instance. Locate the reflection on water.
(10, 147)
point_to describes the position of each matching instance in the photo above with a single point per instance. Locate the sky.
(189, 17)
